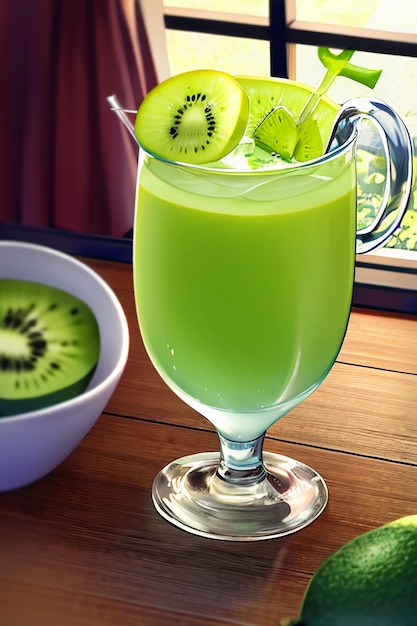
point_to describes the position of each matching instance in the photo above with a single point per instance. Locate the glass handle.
(398, 149)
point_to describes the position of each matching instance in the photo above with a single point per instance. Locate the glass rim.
(329, 155)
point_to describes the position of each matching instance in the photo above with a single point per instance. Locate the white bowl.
(34, 443)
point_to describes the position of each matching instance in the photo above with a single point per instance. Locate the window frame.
(288, 31)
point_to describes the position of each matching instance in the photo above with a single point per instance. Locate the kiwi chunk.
(49, 346)
(309, 142)
(194, 117)
(278, 133)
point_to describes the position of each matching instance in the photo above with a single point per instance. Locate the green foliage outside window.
(371, 182)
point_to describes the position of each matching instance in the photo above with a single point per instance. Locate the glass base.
(190, 494)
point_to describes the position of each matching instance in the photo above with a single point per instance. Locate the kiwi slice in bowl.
(195, 117)
(49, 346)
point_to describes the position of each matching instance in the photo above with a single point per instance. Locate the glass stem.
(241, 462)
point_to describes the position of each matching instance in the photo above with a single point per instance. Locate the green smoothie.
(243, 284)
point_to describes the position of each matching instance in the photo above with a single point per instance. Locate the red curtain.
(66, 160)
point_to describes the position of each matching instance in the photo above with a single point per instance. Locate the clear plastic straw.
(121, 114)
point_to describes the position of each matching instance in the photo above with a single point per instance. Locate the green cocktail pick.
(337, 65)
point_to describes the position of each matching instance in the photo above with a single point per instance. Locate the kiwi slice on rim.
(268, 96)
(194, 117)
(49, 346)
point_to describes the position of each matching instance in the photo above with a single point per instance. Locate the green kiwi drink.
(243, 282)
(244, 247)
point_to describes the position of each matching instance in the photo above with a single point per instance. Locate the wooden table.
(84, 545)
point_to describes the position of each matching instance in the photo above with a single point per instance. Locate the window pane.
(393, 15)
(234, 55)
(244, 7)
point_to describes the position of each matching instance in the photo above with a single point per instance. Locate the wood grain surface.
(84, 546)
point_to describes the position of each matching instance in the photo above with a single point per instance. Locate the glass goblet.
(243, 285)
